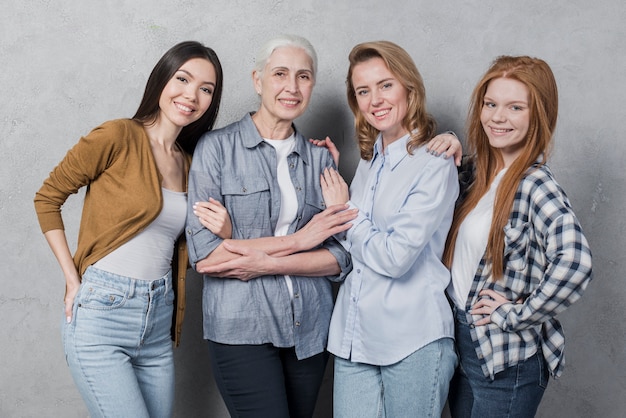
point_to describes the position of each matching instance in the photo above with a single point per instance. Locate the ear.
(256, 80)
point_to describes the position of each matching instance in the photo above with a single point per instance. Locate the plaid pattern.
(548, 267)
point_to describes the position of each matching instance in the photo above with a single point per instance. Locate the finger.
(68, 311)
(483, 321)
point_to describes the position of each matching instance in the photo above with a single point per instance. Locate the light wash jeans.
(118, 345)
(416, 386)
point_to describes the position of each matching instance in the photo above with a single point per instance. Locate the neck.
(272, 128)
(162, 135)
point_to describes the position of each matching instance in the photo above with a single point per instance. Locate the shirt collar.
(252, 138)
(395, 152)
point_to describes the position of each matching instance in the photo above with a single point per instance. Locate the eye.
(305, 76)
(517, 107)
(279, 74)
(207, 90)
(362, 92)
(489, 105)
(181, 79)
(387, 85)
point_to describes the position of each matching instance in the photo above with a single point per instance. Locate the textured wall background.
(68, 66)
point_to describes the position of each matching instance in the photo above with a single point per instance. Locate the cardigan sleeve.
(80, 166)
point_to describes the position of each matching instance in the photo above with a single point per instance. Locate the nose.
(499, 114)
(292, 84)
(191, 93)
(377, 98)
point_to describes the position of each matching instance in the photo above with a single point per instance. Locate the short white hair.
(281, 41)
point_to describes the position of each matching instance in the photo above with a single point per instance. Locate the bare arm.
(58, 243)
(325, 224)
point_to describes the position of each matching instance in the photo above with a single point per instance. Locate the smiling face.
(381, 98)
(505, 117)
(188, 94)
(285, 85)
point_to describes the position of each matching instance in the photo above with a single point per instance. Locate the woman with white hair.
(266, 318)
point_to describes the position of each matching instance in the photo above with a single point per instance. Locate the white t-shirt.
(288, 197)
(471, 243)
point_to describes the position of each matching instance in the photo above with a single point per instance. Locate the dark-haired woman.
(119, 291)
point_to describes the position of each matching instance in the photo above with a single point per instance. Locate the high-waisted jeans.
(514, 393)
(118, 345)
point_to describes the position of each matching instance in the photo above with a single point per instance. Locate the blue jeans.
(515, 392)
(263, 381)
(118, 345)
(416, 386)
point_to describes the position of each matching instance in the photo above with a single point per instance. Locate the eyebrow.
(307, 70)
(513, 102)
(377, 83)
(191, 75)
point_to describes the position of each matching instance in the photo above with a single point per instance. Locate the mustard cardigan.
(123, 196)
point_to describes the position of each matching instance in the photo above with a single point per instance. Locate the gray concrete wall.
(69, 65)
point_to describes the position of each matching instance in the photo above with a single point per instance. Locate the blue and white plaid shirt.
(547, 267)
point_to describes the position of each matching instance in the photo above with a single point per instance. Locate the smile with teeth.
(184, 108)
(381, 113)
(288, 102)
(500, 130)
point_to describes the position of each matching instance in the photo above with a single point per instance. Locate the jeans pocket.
(544, 374)
(98, 297)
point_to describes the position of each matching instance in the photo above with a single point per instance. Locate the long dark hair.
(162, 72)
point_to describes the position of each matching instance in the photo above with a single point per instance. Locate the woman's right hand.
(330, 145)
(331, 221)
(71, 289)
(214, 217)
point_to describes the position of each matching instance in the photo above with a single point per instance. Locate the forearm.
(58, 243)
(311, 263)
(273, 246)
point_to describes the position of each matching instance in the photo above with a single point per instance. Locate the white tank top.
(148, 255)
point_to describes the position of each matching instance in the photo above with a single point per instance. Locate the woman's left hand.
(489, 302)
(447, 144)
(249, 265)
(334, 188)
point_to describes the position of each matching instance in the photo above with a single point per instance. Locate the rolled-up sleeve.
(204, 182)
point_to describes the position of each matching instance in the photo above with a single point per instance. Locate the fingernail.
(68, 319)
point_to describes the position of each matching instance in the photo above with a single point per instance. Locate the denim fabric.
(514, 392)
(416, 386)
(263, 381)
(118, 345)
(236, 167)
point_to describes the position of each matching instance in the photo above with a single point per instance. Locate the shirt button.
(353, 299)
(480, 356)
(243, 189)
(367, 214)
(479, 271)
(472, 326)
(296, 295)
(297, 323)
(358, 271)
(291, 166)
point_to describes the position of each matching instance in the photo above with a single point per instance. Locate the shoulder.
(117, 131)
(543, 193)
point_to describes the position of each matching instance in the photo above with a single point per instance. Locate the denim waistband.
(460, 316)
(103, 277)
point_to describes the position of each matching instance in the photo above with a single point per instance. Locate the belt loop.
(131, 288)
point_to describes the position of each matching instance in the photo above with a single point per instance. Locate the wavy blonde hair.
(417, 120)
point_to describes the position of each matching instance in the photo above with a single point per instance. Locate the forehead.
(371, 70)
(507, 88)
(292, 57)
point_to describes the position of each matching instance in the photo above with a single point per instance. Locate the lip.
(184, 108)
(381, 114)
(500, 131)
(289, 102)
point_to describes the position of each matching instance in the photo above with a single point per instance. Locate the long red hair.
(537, 76)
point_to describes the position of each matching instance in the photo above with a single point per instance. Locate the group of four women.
(271, 224)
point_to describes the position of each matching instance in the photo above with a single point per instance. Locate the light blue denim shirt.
(393, 302)
(236, 167)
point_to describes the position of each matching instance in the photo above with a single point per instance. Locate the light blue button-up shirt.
(393, 301)
(235, 166)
